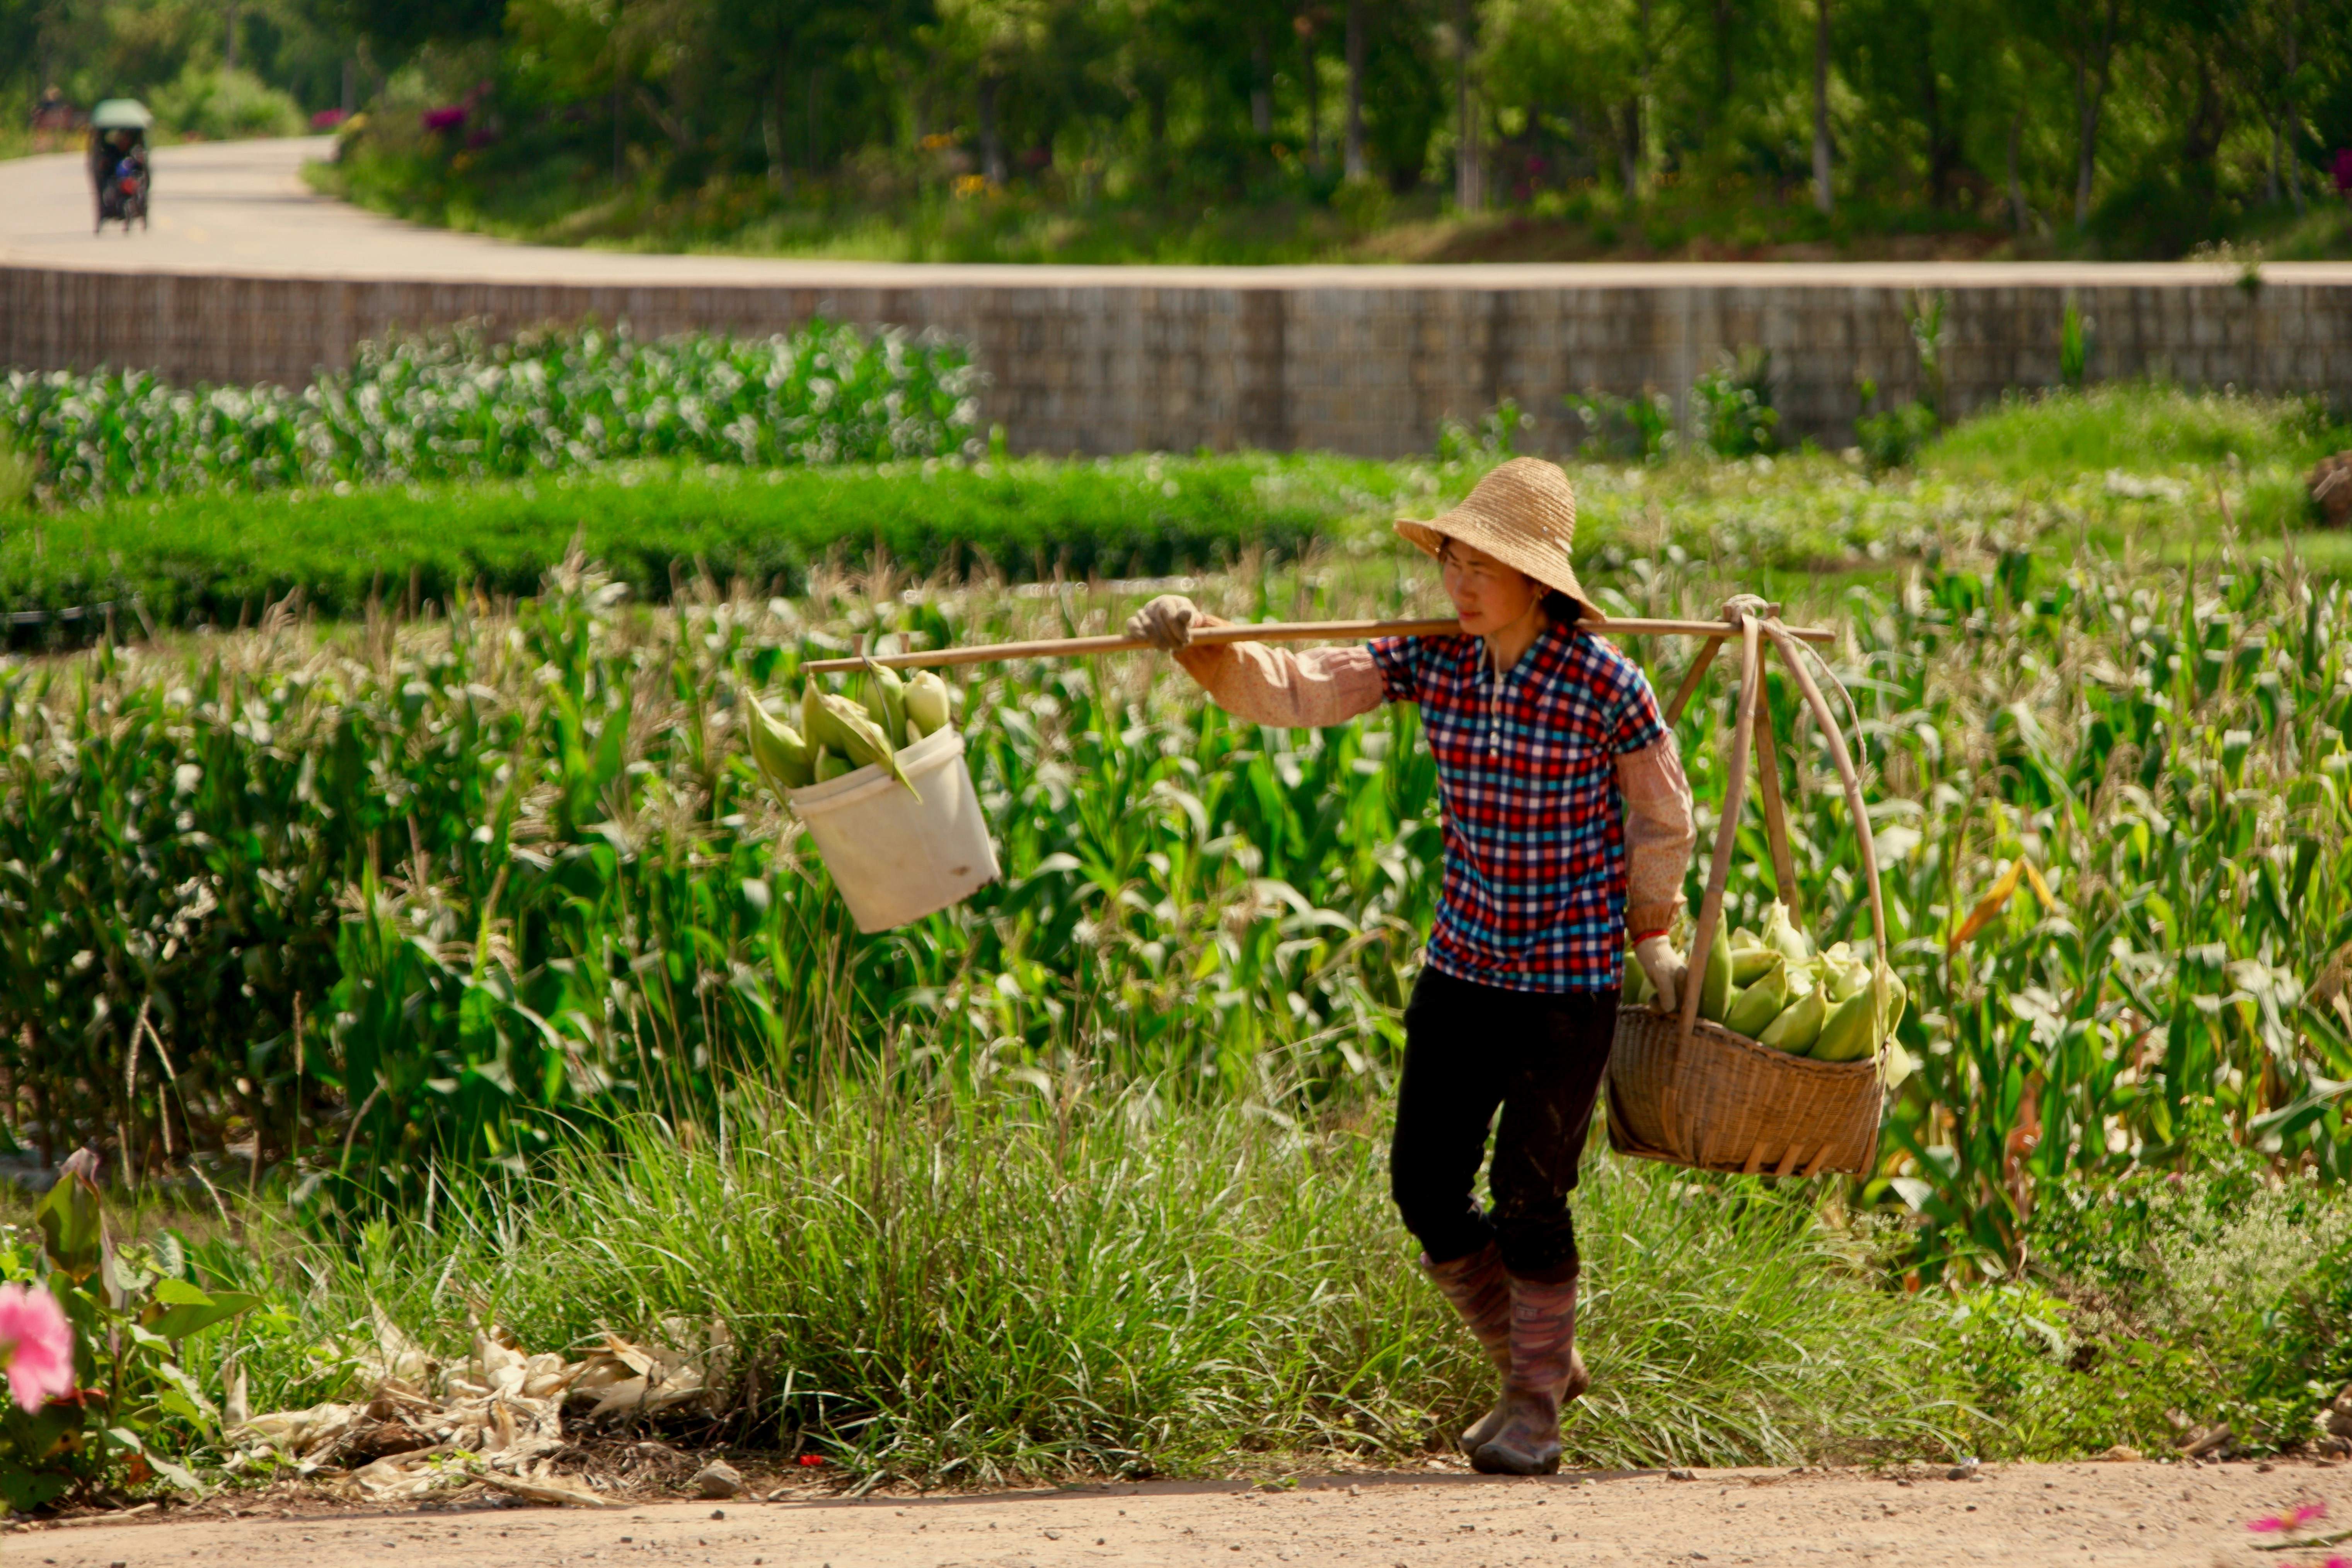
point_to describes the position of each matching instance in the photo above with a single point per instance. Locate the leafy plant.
(1892, 438)
(1732, 406)
(1496, 436)
(132, 1306)
(454, 404)
(2074, 348)
(1640, 427)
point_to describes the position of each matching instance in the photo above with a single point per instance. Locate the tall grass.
(2138, 427)
(1061, 1274)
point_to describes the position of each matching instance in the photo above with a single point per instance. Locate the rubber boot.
(1481, 1293)
(1545, 1373)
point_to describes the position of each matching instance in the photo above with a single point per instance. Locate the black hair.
(1561, 610)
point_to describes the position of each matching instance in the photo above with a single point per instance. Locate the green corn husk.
(828, 766)
(929, 706)
(1798, 1025)
(864, 742)
(782, 757)
(884, 697)
(1846, 1032)
(1634, 989)
(817, 722)
(1749, 963)
(1783, 937)
(1898, 998)
(1761, 1002)
(1842, 974)
(1714, 986)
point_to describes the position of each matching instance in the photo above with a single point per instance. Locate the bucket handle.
(1753, 730)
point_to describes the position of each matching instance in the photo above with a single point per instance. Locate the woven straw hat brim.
(1523, 514)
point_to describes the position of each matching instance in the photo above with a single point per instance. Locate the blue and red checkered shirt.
(1534, 897)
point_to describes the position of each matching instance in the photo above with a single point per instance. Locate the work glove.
(1166, 622)
(1666, 969)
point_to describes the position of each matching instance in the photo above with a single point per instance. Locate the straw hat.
(1523, 514)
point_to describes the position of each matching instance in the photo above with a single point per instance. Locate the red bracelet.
(1640, 937)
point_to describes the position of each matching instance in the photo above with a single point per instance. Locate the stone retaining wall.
(1369, 366)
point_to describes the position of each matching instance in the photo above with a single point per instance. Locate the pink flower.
(2295, 1519)
(36, 1345)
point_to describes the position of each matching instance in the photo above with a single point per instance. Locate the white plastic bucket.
(896, 858)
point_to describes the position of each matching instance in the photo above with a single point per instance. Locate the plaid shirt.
(1534, 845)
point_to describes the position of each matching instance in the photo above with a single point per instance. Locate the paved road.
(240, 207)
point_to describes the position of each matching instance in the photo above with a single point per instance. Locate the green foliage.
(219, 102)
(1048, 1271)
(2074, 348)
(1494, 438)
(2165, 1298)
(132, 1306)
(224, 558)
(1891, 437)
(451, 405)
(2137, 428)
(1732, 406)
(1639, 427)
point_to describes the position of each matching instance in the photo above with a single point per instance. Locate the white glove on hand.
(1165, 623)
(1666, 969)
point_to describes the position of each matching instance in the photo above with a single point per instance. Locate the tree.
(1823, 197)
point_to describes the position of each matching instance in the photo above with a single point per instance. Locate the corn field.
(346, 907)
(451, 405)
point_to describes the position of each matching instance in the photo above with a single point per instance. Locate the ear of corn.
(1843, 972)
(829, 766)
(1761, 1001)
(928, 709)
(884, 697)
(1714, 986)
(1774, 989)
(863, 741)
(782, 756)
(1635, 990)
(1782, 936)
(1749, 962)
(1798, 1025)
(1846, 1033)
(818, 724)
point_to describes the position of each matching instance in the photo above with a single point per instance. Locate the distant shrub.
(1732, 406)
(222, 102)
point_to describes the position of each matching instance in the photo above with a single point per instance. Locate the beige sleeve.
(1659, 834)
(1273, 686)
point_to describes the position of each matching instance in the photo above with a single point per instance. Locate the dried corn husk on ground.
(494, 1421)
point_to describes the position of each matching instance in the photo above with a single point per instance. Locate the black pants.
(1538, 1056)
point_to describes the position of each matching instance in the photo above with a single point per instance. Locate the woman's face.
(1487, 595)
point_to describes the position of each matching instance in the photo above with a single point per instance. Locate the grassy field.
(473, 939)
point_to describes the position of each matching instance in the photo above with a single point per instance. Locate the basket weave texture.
(1720, 1102)
(1692, 1092)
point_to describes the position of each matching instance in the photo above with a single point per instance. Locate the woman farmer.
(1566, 823)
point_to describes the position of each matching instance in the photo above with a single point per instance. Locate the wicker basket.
(1693, 1093)
(1720, 1102)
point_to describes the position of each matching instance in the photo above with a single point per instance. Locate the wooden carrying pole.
(1272, 631)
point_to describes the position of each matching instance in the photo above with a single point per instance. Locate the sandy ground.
(2006, 1515)
(241, 208)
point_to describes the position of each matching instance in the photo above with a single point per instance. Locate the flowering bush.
(89, 1333)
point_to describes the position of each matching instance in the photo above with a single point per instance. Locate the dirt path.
(2008, 1515)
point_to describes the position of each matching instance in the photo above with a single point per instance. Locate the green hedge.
(221, 558)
